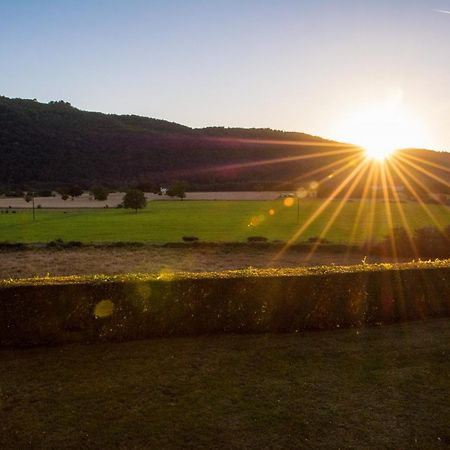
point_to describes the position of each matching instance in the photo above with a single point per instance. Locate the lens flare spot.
(104, 308)
(313, 185)
(288, 202)
(302, 193)
(271, 212)
(256, 220)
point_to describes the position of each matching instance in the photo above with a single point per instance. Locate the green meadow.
(217, 221)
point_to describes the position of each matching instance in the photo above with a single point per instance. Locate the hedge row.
(53, 311)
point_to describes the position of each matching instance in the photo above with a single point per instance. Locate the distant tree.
(64, 196)
(100, 193)
(178, 189)
(75, 191)
(134, 199)
(28, 197)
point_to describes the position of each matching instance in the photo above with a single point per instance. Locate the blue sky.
(293, 65)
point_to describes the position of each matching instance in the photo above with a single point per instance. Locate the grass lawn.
(385, 387)
(164, 222)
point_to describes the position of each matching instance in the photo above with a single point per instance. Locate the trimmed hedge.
(57, 310)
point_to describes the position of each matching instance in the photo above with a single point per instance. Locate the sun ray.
(352, 162)
(420, 183)
(322, 169)
(338, 209)
(402, 213)
(424, 161)
(266, 162)
(373, 203)
(361, 206)
(318, 212)
(424, 171)
(413, 192)
(345, 149)
(387, 206)
(293, 142)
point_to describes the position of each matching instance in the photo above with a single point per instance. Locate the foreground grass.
(211, 221)
(383, 387)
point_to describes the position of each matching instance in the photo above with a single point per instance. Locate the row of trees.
(133, 198)
(101, 193)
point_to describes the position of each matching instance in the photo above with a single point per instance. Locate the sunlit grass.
(220, 221)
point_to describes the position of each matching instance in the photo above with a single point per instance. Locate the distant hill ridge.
(55, 144)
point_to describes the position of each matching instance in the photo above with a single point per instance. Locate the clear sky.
(293, 65)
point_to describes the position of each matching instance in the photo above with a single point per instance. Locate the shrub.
(432, 242)
(72, 244)
(59, 243)
(317, 239)
(398, 242)
(257, 239)
(124, 244)
(424, 242)
(12, 246)
(190, 238)
(56, 243)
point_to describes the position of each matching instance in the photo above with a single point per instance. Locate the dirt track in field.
(42, 262)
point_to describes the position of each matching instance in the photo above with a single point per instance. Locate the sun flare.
(378, 152)
(383, 129)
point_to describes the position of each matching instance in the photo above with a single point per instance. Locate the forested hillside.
(55, 144)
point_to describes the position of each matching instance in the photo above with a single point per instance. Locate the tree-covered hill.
(55, 144)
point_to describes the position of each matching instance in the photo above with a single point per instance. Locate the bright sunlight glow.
(383, 129)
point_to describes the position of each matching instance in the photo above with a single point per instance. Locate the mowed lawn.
(169, 221)
(386, 387)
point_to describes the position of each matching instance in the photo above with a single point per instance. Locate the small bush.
(190, 238)
(124, 244)
(12, 246)
(56, 243)
(257, 239)
(318, 240)
(72, 244)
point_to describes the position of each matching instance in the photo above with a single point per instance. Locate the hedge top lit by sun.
(166, 275)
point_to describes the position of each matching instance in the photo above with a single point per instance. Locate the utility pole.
(34, 214)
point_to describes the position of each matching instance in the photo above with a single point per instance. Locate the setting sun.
(383, 129)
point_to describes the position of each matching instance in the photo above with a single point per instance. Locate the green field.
(168, 221)
(372, 388)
